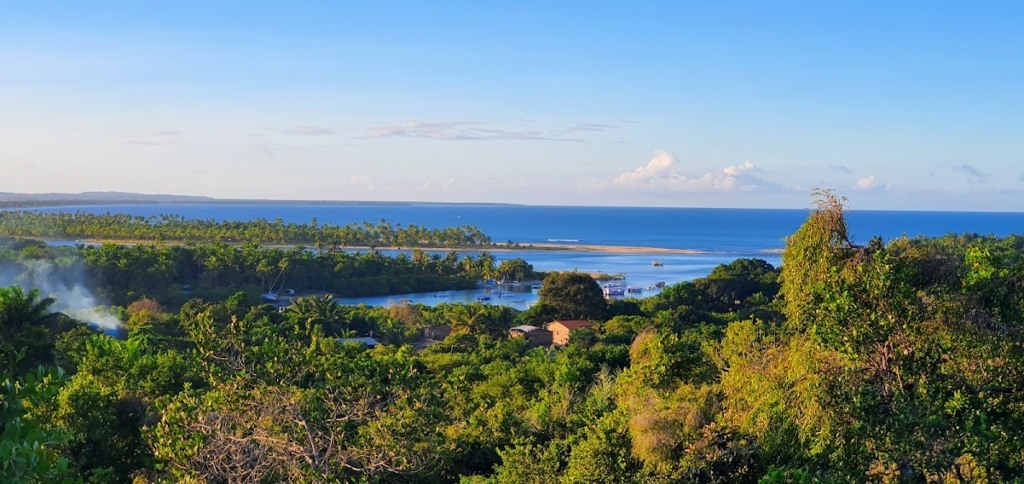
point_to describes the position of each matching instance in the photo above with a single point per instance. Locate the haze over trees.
(852, 363)
(174, 274)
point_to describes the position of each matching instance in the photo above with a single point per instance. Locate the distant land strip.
(31, 200)
(604, 249)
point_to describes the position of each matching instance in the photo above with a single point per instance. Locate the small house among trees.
(561, 331)
(533, 335)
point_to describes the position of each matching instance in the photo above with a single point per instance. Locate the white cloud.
(662, 173)
(448, 184)
(867, 183)
(660, 167)
(870, 184)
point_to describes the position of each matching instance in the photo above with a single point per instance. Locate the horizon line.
(95, 198)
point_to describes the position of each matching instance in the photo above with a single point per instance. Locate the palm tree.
(469, 319)
(19, 310)
(318, 310)
(25, 327)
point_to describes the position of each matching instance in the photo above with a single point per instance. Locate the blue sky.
(915, 105)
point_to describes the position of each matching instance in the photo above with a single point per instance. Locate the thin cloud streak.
(156, 138)
(311, 131)
(468, 131)
(972, 172)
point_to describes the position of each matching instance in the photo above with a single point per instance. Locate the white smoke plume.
(68, 286)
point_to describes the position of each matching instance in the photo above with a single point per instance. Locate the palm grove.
(881, 362)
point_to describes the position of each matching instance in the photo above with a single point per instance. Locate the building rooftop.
(572, 325)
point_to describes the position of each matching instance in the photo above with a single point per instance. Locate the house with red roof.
(561, 330)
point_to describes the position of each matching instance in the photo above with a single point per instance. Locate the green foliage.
(516, 269)
(602, 454)
(25, 324)
(815, 256)
(573, 295)
(29, 448)
(166, 228)
(732, 286)
(896, 362)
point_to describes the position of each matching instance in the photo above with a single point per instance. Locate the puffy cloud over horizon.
(870, 184)
(867, 183)
(663, 173)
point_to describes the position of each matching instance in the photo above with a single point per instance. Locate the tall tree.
(573, 295)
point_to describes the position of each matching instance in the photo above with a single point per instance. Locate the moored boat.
(614, 289)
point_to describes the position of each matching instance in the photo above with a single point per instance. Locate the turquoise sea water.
(736, 231)
(721, 234)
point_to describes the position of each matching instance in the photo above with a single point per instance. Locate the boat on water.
(441, 294)
(635, 290)
(270, 297)
(497, 292)
(519, 300)
(535, 287)
(657, 263)
(484, 298)
(614, 289)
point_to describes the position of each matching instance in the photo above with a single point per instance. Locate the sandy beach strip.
(611, 249)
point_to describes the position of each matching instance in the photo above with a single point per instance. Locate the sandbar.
(611, 249)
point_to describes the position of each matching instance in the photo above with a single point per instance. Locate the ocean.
(721, 235)
(704, 229)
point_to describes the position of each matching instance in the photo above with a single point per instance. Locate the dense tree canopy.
(573, 295)
(166, 228)
(172, 274)
(897, 362)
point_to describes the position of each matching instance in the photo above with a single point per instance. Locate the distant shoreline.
(33, 203)
(611, 249)
(601, 249)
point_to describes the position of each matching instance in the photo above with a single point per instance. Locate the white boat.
(614, 289)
